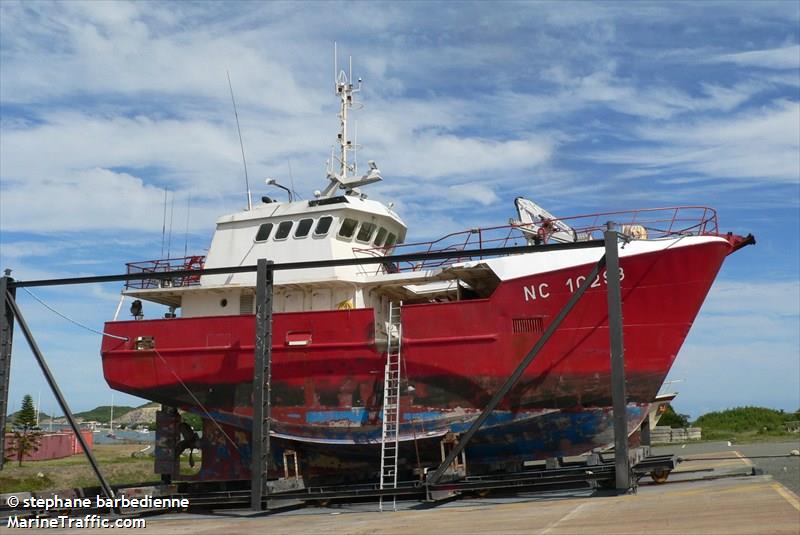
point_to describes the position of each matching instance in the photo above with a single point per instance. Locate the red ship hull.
(456, 355)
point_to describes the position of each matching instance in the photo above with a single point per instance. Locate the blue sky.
(582, 106)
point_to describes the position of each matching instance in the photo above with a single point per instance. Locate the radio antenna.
(171, 219)
(164, 224)
(241, 143)
(291, 177)
(186, 235)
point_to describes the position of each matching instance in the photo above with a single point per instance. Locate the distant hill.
(146, 414)
(42, 416)
(103, 413)
(123, 414)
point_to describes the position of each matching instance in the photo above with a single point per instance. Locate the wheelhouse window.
(323, 225)
(348, 228)
(380, 237)
(365, 232)
(391, 239)
(303, 228)
(263, 232)
(284, 228)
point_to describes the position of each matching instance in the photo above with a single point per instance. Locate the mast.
(345, 91)
(344, 175)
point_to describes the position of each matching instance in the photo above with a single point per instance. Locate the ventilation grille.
(246, 304)
(528, 325)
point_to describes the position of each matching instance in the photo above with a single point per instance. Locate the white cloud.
(474, 192)
(75, 142)
(754, 145)
(434, 156)
(25, 249)
(111, 48)
(787, 57)
(97, 199)
(755, 299)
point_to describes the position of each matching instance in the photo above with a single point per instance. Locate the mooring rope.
(199, 403)
(54, 311)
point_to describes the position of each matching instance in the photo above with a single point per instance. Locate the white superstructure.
(340, 222)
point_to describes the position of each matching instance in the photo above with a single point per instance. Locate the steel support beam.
(6, 336)
(514, 377)
(285, 266)
(618, 398)
(57, 393)
(262, 374)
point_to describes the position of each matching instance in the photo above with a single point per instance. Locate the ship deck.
(709, 494)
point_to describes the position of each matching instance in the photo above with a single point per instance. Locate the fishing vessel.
(452, 330)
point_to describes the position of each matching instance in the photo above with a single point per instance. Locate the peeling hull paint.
(503, 445)
(232, 402)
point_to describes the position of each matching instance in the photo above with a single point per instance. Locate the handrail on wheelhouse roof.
(163, 265)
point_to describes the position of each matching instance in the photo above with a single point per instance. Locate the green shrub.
(744, 419)
(673, 419)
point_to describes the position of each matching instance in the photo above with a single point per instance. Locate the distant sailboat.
(111, 420)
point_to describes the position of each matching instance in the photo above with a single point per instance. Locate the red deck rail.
(164, 265)
(655, 222)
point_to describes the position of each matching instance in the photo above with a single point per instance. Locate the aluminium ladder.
(391, 403)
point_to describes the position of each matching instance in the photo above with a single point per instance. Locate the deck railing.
(164, 265)
(649, 223)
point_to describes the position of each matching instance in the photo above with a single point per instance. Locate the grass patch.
(115, 462)
(24, 483)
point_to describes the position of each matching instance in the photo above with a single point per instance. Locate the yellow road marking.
(708, 464)
(743, 488)
(787, 495)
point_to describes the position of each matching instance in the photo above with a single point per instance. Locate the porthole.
(263, 232)
(284, 228)
(223, 303)
(323, 225)
(303, 227)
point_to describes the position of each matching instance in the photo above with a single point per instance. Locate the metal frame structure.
(610, 260)
(262, 366)
(262, 377)
(8, 301)
(617, 348)
(6, 335)
(462, 254)
(596, 474)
